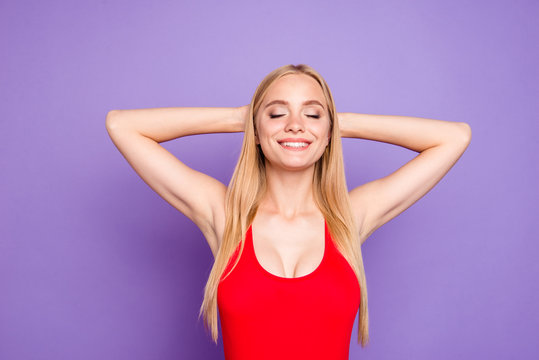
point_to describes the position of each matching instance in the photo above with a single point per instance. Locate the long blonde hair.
(248, 186)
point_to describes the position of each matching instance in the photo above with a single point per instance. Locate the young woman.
(286, 234)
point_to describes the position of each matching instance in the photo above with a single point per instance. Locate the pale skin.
(288, 229)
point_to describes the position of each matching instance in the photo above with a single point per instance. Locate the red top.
(265, 316)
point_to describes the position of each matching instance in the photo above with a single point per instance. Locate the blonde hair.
(248, 186)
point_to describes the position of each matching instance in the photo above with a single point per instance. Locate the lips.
(294, 140)
(294, 144)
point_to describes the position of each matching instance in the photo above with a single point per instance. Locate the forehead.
(295, 88)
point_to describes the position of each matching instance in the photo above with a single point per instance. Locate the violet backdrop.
(95, 265)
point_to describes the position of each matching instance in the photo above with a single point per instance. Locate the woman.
(288, 276)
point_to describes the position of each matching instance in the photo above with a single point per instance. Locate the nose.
(295, 123)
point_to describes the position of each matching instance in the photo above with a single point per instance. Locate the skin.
(288, 230)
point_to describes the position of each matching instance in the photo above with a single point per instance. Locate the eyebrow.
(283, 102)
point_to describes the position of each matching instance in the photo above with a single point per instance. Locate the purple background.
(95, 265)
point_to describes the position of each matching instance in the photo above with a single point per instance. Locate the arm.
(439, 144)
(164, 124)
(137, 134)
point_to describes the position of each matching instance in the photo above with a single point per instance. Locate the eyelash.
(313, 116)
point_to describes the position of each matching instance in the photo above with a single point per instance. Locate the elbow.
(465, 132)
(111, 121)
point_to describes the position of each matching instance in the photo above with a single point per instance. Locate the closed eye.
(313, 116)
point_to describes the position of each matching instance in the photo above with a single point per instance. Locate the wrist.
(343, 120)
(240, 117)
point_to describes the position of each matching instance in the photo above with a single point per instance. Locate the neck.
(289, 193)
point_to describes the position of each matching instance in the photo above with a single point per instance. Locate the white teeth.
(295, 144)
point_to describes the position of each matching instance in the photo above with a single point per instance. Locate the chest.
(289, 251)
(250, 291)
(267, 316)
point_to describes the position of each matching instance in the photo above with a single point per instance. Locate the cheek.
(267, 130)
(324, 129)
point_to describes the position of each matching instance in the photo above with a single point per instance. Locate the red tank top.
(265, 316)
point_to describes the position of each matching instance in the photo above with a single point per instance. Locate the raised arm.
(439, 144)
(137, 134)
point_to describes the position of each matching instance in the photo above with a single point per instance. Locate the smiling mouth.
(289, 145)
